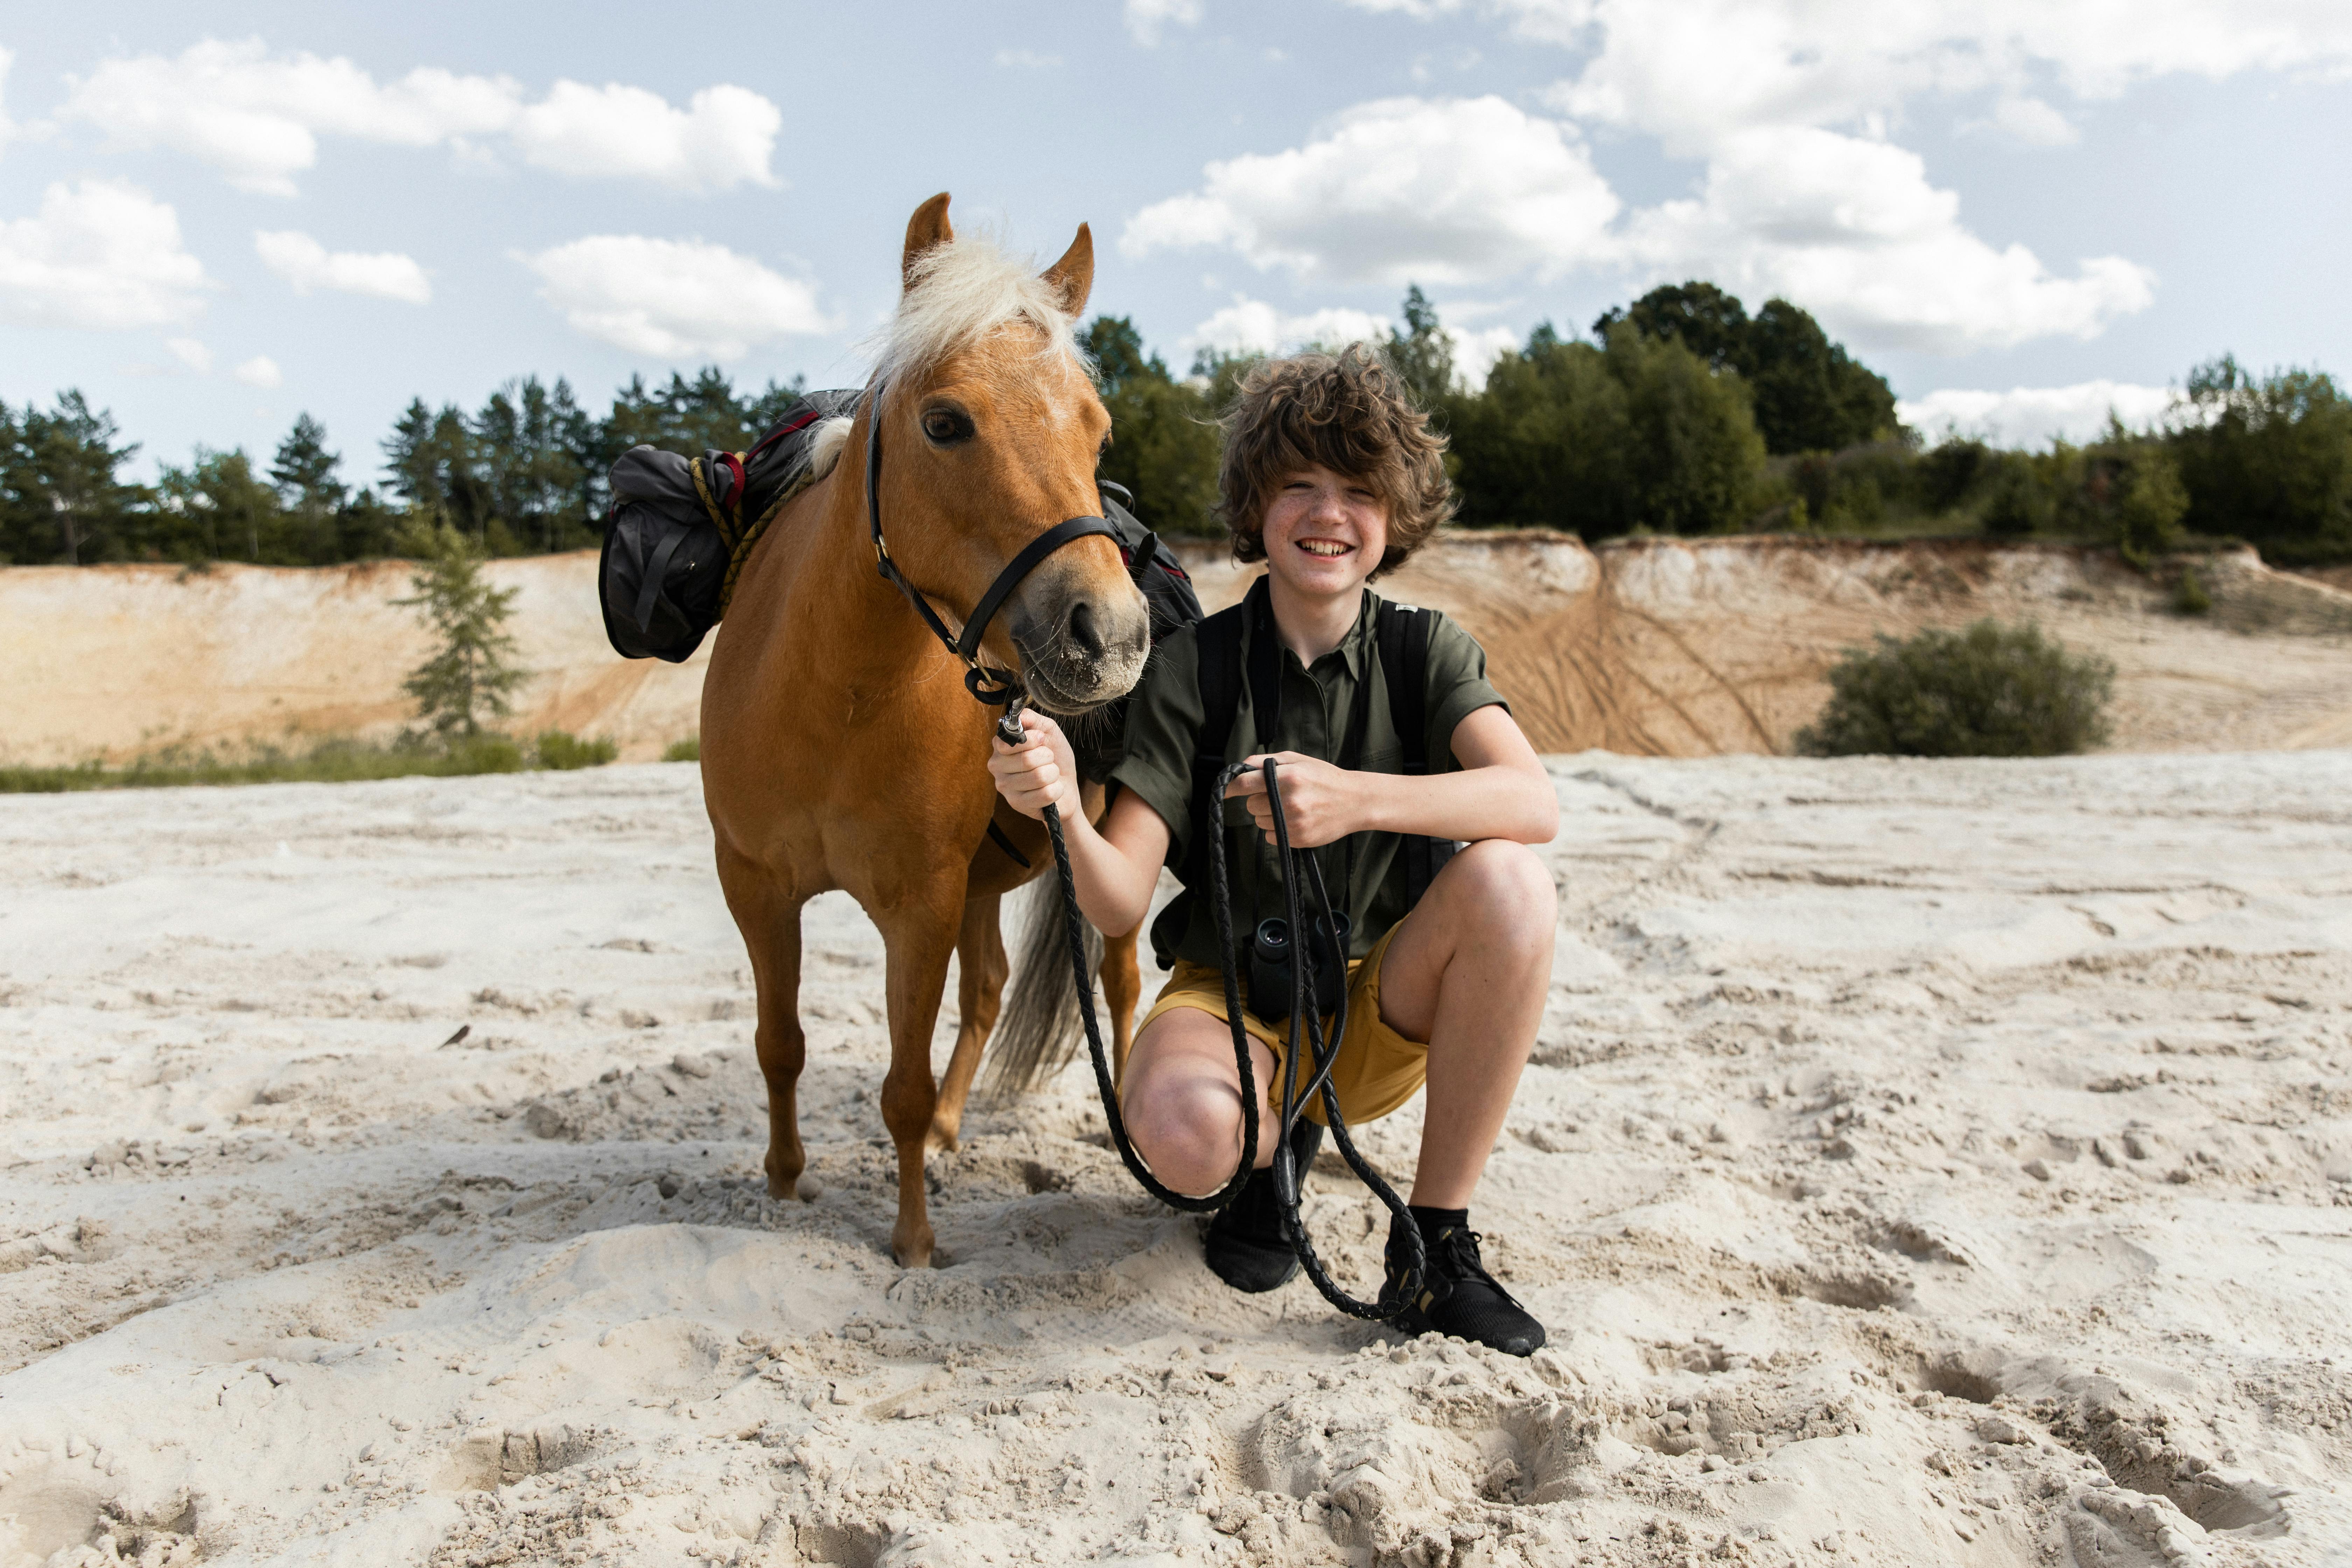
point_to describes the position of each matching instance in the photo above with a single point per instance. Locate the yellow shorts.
(1378, 1069)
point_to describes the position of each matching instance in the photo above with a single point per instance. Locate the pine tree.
(471, 677)
(304, 473)
(1423, 353)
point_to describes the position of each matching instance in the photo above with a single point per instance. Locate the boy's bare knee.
(1188, 1132)
(1504, 891)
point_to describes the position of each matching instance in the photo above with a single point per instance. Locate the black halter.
(993, 685)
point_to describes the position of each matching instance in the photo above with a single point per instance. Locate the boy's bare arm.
(1116, 867)
(1502, 792)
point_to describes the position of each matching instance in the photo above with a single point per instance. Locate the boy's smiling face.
(1325, 533)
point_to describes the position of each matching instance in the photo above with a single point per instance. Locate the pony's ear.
(926, 228)
(1073, 277)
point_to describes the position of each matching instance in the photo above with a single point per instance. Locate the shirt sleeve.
(1163, 731)
(1457, 688)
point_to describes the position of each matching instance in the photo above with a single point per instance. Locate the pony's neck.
(872, 633)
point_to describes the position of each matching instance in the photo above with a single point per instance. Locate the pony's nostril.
(1082, 629)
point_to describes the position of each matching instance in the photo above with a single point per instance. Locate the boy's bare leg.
(1468, 971)
(1183, 1102)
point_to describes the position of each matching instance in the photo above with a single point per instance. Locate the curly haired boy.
(1331, 478)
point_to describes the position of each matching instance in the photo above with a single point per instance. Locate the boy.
(1331, 478)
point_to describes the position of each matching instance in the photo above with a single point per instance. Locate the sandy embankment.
(1922, 1164)
(1676, 647)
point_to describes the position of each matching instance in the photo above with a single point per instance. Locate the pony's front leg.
(767, 909)
(919, 938)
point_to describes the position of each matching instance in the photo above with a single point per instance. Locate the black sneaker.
(1458, 1296)
(1244, 1245)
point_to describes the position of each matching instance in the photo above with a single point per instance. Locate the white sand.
(1924, 1163)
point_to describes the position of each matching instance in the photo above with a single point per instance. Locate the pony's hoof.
(940, 1139)
(909, 1255)
(802, 1187)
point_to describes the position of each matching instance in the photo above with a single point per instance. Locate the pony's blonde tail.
(1039, 1033)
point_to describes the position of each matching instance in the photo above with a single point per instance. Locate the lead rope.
(1286, 1176)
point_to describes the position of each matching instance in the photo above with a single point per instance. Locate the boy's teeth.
(1316, 547)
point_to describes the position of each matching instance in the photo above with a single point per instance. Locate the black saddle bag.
(678, 524)
(665, 560)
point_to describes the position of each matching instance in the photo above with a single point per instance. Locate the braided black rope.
(1295, 1094)
(1009, 730)
(1286, 1175)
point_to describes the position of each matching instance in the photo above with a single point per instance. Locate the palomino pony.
(840, 748)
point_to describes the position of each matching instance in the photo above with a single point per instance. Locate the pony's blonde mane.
(959, 293)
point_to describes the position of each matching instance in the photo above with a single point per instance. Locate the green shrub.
(2019, 503)
(1989, 691)
(2188, 594)
(558, 749)
(687, 751)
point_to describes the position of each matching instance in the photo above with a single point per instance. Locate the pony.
(840, 747)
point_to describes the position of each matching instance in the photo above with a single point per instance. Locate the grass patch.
(329, 761)
(556, 749)
(687, 751)
(1989, 691)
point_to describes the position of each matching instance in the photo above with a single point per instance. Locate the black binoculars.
(1273, 957)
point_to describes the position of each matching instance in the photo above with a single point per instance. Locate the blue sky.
(215, 216)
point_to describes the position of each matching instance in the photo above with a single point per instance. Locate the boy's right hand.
(1037, 774)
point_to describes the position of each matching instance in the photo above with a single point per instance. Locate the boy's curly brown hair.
(1346, 412)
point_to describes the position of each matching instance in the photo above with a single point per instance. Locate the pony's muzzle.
(1082, 643)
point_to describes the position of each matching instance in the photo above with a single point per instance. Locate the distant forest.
(1679, 414)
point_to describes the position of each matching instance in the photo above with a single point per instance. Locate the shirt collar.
(1355, 647)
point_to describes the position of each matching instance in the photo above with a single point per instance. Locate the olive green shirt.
(1317, 709)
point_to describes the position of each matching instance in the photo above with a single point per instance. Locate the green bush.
(1636, 433)
(687, 751)
(2018, 502)
(557, 749)
(2268, 458)
(2189, 597)
(1989, 691)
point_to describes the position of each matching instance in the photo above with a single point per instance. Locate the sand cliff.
(1677, 648)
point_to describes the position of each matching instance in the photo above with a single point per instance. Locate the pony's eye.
(947, 426)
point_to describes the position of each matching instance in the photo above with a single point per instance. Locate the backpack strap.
(1402, 631)
(1219, 641)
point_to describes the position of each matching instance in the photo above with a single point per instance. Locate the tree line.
(1678, 414)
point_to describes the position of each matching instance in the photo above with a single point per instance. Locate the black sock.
(1435, 1222)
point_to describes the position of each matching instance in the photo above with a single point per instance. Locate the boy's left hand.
(1321, 803)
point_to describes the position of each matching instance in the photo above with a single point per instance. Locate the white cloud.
(1790, 103)
(190, 353)
(1475, 350)
(259, 371)
(2034, 122)
(1146, 18)
(97, 254)
(723, 137)
(257, 117)
(1692, 70)
(1401, 189)
(306, 263)
(7, 126)
(1253, 326)
(1851, 230)
(2030, 416)
(668, 298)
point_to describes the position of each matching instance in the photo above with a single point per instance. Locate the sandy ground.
(1922, 1164)
(1658, 648)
